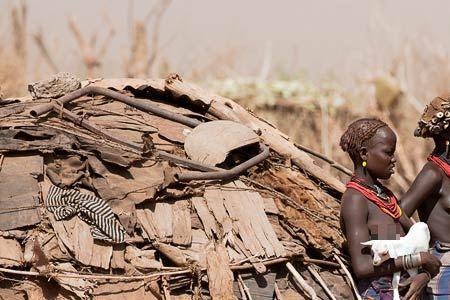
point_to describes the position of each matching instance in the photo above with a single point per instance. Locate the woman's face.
(380, 153)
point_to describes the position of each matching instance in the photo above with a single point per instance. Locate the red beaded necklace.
(441, 163)
(388, 203)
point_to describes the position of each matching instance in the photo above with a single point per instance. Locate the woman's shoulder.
(351, 195)
(431, 172)
(353, 202)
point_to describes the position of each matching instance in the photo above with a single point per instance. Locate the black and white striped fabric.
(94, 211)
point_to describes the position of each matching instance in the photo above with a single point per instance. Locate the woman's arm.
(354, 212)
(426, 183)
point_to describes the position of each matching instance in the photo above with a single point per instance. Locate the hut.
(157, 189)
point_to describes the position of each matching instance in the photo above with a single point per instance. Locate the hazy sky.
(314, 36)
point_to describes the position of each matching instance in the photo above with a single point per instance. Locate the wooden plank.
(208, 221)
(19, 203)
(214, 199)
(87, 251)
(147, 225)
(260, 222)
(157, 219)
(182, 229)
(163, 219)
(234, 255)
(259, 267)
(260, 287)
(267, 227)
(118, 257)
(63, 233)
(254, 214)
(270, 207)
(197, 251)
(10, 253)
(242, 218)
(23, 164)
(220, 277)
(78, 286)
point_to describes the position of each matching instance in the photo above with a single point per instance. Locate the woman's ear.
(363, 153)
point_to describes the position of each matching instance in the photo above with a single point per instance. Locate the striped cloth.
(65, 203)
(439, 286)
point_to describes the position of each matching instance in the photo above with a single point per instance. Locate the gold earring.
(364, 164)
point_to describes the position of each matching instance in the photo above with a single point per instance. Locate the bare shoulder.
(431, 173)
(353, 203)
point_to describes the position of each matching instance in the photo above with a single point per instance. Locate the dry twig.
(303, 284)
(322, 283)
(346, 271)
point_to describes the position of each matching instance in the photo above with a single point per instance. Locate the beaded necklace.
(380, 196)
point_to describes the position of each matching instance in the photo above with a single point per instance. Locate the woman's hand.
(417, 287)
(430, 263)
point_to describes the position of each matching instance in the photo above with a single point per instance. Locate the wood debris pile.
(206, 210)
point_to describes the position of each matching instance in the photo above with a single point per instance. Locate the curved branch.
(142, 104)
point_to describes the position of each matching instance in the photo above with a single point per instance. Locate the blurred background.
(308, 67)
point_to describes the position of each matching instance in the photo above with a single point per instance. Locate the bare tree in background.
(90, 54)
(141, 61)
(43, 49)
(19, 26)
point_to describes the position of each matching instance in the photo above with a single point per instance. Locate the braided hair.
(357, 134)
(435, 118)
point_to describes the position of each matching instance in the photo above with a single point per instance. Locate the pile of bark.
(203, 198)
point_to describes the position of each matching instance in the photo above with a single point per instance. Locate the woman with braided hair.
(370, 211)
(430, 191)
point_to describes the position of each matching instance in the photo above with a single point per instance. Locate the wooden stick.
(305, 286)
(106, 277)
(331, 162)
(140, 277)
(321, 262)
(321, 282)
(352, 282)
(243, 260)
(245, 288)
(278, 293)
(135, 277)
(241, 290)
(166, 290)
